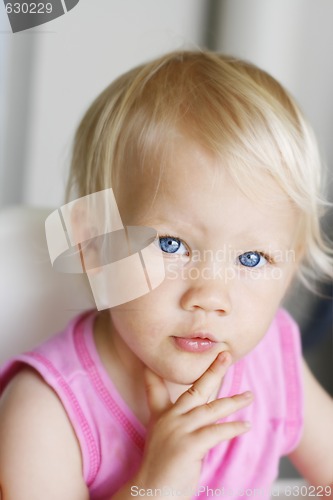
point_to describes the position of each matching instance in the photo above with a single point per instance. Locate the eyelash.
(265, 255)
(269, 259)
(161, 236)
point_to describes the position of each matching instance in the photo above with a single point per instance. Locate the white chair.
(35, 300)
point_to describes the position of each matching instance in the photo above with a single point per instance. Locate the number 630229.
(29, 8)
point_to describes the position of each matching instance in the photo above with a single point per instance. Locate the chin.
(188, 377)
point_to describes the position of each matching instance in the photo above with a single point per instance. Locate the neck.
(175, 390)
(126, 369)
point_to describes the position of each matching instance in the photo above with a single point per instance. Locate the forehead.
(195, 189)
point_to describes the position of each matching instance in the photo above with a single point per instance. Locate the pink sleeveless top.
(112, 439)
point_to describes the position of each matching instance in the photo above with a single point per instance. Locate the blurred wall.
(292, 40)
(51, 74)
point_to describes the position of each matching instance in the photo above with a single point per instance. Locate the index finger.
(210, 380)
(158, 398)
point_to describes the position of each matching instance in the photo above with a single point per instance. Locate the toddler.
(197, 388)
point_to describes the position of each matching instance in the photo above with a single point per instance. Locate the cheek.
(255, 303)
(142, 316)
(250, 331)
(129, 320)
(267, 286)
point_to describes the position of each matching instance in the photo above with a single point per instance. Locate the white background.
(70, 60)
(50, 74)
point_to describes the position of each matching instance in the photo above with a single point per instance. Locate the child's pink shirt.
(112, 439)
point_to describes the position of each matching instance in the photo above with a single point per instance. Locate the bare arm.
(314, 454)
(39, 454)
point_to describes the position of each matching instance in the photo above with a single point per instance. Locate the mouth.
(203, 335)
(197, 342)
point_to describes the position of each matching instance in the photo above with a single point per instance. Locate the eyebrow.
(256, 237)
(155, 220)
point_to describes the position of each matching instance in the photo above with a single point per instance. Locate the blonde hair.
(235, 110)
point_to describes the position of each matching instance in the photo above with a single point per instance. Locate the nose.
(208, 296)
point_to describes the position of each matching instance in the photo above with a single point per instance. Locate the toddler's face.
(228, 260)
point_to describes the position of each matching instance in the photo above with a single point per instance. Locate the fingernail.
(247, 394)
(223, 357)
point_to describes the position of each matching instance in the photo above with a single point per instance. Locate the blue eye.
(252, 259)
(170, 244)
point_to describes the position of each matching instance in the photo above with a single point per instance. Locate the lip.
(197, 342)
(203, 335)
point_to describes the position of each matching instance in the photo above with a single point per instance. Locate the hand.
(180, 434)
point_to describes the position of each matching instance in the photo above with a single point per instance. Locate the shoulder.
(313, 456)
(36, 435)
(284, 321)
(287, 335)
(292, 374)
(281, 346)
(278, 359)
